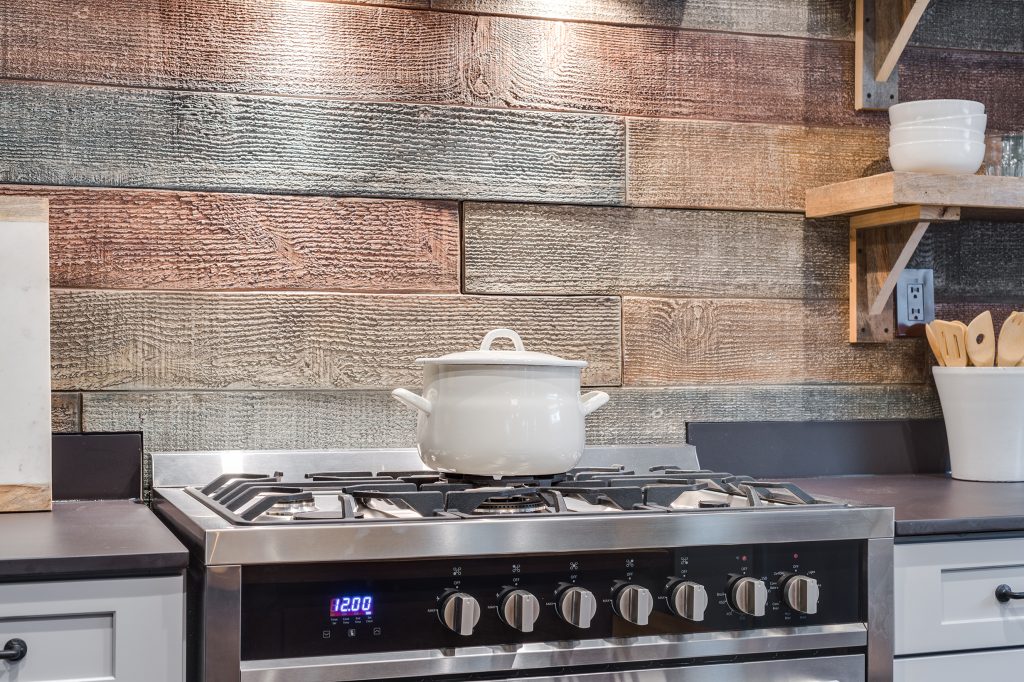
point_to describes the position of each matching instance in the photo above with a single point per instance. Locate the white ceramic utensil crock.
(501, 413)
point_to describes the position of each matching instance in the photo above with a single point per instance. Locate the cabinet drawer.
(945, 595)
(97, 630)
(984, 665)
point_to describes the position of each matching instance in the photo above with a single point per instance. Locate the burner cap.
(293, 504)
(530, 503)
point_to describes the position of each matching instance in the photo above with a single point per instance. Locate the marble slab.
(25, 438)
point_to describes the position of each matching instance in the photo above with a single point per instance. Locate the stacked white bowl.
(941, 136)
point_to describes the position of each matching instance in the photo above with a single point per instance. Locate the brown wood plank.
(213, 420)
(975, 261)
(71, 135)
(382, 55)
(733, 341)
(705, 164)
(818, 18)
(543, 249)
(66, 412)
(110, 339)
(140, 239)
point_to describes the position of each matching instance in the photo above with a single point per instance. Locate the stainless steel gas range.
(362, 565)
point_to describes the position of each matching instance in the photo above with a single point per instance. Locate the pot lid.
(486, 356)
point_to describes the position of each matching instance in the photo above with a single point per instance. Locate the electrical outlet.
(915, 302)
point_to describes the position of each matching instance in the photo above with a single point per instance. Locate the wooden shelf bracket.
(881, 244)
(883, 29)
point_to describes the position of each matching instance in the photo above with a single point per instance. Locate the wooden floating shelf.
(889, 214)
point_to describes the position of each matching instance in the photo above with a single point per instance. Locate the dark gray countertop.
(87, 540)
(931, 504)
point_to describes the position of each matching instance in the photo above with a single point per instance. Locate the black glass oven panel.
(348, 608)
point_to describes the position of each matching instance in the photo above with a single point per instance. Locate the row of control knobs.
(520, 609)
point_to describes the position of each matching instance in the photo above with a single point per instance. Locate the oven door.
(825, 669)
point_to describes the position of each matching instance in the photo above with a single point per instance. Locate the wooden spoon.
(1011, 341)
(981, 340)
(933, 341)
(952, 338)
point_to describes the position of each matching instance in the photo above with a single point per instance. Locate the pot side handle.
(412, 400)
(591, 401)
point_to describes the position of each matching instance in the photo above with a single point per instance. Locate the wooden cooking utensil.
(1011, 341)
(981, 340)
(935, 344)
(952, 338)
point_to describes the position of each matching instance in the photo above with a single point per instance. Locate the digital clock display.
(352, 605)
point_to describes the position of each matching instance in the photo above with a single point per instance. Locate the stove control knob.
(577, 606)
(801, 594)
(520, 609)
(634, 603)
(689, 600)
(749, 596)
(460, 613)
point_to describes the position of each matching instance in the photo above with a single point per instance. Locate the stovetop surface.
(359, 496)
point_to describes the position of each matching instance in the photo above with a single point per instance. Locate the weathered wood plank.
(975, 261)
(818, 18)
(216, 420)
(975, 25)
(213, 420)
(71, 135)
(543, 249)
(965, 312)
(66, 411)
(990, 77)
(705, 164)
(737, 341)
(139, 239)
(380, 55)
(112, 339)
(658, 415)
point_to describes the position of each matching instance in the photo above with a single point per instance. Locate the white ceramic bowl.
(941, 157)
(984, 412)
(906, 112)
(974, 122)
(929, 133)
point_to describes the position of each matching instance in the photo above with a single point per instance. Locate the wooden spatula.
(1011, 341)
(981, 340)
(935, 344)
(952, 338)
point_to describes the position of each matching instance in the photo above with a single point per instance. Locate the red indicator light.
(743, 558)
(796, 556)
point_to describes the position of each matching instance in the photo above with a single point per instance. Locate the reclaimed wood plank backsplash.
(184, 340)
(264, 210)
(144, 239)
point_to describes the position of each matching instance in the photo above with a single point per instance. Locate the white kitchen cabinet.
(980, 666)
(124, 630)
(945, 595)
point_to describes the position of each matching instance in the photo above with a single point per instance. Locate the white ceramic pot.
(501, 413)
(984, 412)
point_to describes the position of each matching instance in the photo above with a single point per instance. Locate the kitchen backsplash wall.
(262, 211)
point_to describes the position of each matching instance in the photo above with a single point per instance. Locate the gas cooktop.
(349, 496)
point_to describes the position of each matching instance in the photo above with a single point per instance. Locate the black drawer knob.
(14, 650)
(1005, 593)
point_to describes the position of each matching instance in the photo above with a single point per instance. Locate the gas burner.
(515, 504)
(293, 505)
